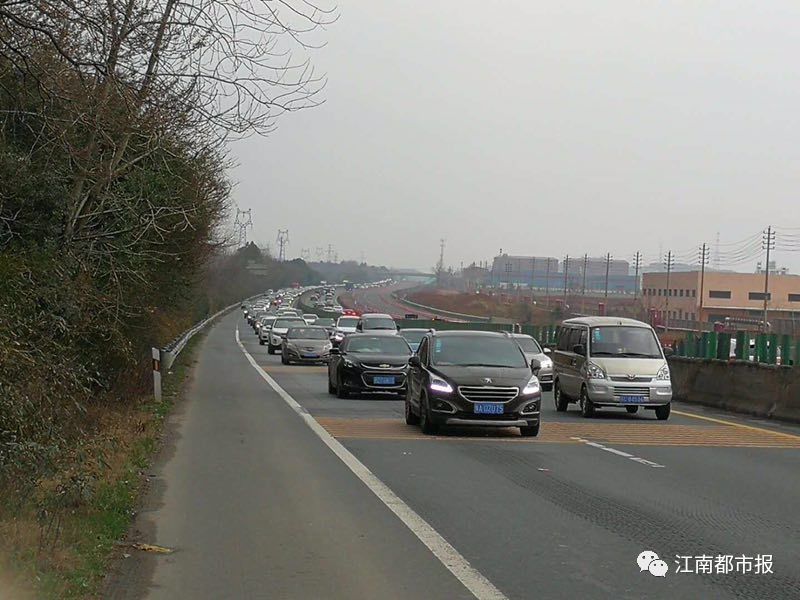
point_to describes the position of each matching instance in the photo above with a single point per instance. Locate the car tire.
(331, 387)
(425, 423)
(270, 349)
(284, 360)
(340, 391)
(632, 410)
(561, 401)
(261, 342)
(662, 412)
(587, 406)
(531, 431)
(411, 418)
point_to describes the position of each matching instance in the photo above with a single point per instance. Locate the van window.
(563, 338)
(574, 338)
(624, 342)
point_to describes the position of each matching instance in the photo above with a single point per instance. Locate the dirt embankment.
(522, 306)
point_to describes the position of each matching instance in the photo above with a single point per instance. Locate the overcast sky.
(539, 127)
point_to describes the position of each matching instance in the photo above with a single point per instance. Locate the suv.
(472, 378)
(376, 323)
(609, 361)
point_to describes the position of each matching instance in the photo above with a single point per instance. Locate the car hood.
(622, 367)
(500, 376)
(346, 329)
(379, 359)
(309, 343)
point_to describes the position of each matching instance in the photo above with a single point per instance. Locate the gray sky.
(539, 127)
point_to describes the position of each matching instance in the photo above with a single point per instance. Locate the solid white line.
(642, 461)
(471, 578)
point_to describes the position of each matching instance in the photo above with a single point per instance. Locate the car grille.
(488, 393)
(369, 379)
(382, 367)
(625, 379)
(632, 391)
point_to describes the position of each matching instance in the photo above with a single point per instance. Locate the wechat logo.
(649, 561)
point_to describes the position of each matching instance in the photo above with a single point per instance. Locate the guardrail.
(765, 348)
(164, 358)
(439, 311)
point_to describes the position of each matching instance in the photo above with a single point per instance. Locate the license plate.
(633, 399)
(310, 355)
(488, 408)
(383, 380)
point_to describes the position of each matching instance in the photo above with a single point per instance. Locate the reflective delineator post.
(157, 374)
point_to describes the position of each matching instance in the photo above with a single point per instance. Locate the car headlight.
(546, 363)
(327, 346)
(532, 387)
(438, 384)
(663, 374)
(595, 371)
(348, 363)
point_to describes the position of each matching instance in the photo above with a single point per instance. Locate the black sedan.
(369, 363)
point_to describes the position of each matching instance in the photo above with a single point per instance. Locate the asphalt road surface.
(380, 300)
(271, 488)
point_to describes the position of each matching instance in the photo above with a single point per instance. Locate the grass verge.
(56, 543)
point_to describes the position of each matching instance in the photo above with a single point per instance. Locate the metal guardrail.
(434, 310)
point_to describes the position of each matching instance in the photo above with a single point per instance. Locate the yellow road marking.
(734, 424)
(633, 434)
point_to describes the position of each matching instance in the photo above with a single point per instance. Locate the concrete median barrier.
(739, 386)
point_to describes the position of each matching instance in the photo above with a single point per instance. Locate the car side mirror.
(334, 351)
(548, 350)
(414, 361)
(579, 349)
(284, 336)
(536, 366)
(669, 351)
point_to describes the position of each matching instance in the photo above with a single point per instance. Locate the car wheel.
(425, 423)
(587, 406)
(531, 431)
(284, 360)
(411, 418)
(662, 412)
(632, 410)
(331, 387)
(340, 391)
(559, 399)
(261, 342)
(270, 349)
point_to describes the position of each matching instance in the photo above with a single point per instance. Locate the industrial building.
(549, 272)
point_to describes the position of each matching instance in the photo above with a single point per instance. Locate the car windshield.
(307, 333)
(624, 342)
(286, 323)
(378, 345)
(529, 345)
(413, 337)
(477, 351)
(379, 323)
(325, 322)
(348, 322)
(267, 320)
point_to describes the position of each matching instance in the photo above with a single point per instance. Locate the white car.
(310, 319)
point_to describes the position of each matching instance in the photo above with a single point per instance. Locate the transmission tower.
(305, 254)
(282, 242)
(440, 264)
(330, 252)
(243, 222)
(319, 252)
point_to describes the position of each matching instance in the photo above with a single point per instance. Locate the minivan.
(610, 362)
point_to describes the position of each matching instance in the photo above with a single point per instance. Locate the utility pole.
(608, 268)
(768, 244)
(566, 275)
(440, 264)
(243, 222)
(669, 262)
(282, 241)
(547, 284)
(637, 264)
(533, 276)
(583, 284)
(704, 256)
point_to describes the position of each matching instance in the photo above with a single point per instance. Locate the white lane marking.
(469, 576)
(637, 459)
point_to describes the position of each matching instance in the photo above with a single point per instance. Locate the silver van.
(610, 361)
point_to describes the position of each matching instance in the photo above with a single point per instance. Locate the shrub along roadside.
(59, 541)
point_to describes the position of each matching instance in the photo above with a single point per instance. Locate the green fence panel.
(711, 349)
(786, 350)
(724, 346)
(761, 348)
(703, 349)
(772, 348)
(742, 345)
(797, 351)
(690, 345)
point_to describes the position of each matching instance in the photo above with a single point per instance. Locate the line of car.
(479, 378)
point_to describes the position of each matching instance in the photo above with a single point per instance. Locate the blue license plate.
(383, 380)
(488, 408)
(310, 355)
(633, 399)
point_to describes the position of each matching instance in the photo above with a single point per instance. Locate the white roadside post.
(157, 374)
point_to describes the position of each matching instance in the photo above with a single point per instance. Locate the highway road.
(379, 299)
(271, 488)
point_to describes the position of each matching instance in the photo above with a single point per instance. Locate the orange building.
(733, 295)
